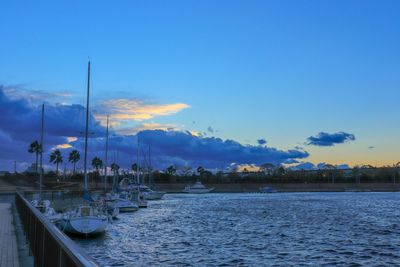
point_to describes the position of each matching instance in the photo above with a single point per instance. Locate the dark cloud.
(371, 147)
(261, 141)
(307, 166)
(20, 125)
(326, 139)
(303, 166)
(210, 129)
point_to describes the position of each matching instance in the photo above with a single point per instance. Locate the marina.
(255, 230)
(224, 229)
(199, 133)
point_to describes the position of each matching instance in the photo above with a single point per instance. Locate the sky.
(316, 81)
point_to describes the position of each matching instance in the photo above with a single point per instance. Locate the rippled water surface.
(255, 230)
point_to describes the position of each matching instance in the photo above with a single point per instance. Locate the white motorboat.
(267, 189)
(197, 188)
(121, 201)
(45, 208)
(150, 194)
(85, 220)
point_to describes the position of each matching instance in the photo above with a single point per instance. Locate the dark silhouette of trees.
(56, 158)
(74, 157)
(34, 147)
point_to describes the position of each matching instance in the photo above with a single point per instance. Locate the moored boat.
(197, 188)
(121, 201)
(85, 220)
(267, 189)
(150, 194)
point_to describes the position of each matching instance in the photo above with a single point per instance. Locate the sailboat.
(39, 203)
(86, 219)
(149, 193)
(43, 205)
(140, 196)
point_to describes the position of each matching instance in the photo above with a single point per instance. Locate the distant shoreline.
(288, 187)
(6, 187)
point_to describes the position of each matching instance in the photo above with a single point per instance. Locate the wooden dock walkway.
(8, 240)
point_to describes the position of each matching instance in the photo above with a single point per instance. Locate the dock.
(8, 239)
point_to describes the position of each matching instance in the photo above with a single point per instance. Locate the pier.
(8, 240)
(49, 246)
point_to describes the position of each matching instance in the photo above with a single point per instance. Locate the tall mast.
(137, 160)
(105, 160)
(87, 127)
(150, 169)
(41, 155)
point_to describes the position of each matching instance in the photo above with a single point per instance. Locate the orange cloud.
(63, 146)
(247, 167)
(71, 139)
(135, 110)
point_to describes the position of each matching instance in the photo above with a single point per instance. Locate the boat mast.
(105, 160)
(87, 128)
(149, 168)
(137, 160)
(41, 155)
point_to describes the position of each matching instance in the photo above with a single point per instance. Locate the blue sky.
(279, 70)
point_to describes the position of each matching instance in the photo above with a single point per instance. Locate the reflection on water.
(254, 230)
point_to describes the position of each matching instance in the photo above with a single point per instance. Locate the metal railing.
(49, 246)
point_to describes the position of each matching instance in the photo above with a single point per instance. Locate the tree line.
(73, 157)
(268, 172)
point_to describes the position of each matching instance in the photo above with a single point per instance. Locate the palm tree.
(74, 157)
(267, 168)
(200, 170)
(115, 168)
(134, 167)
(97, 163)
(171, 170)
(34, 147)
(56, 158)
(330, 169)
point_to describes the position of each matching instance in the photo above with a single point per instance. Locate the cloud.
(147, 126)
(15, 92)
(210, 129)
(63, 146)
(326, 139)
(303, 166)
(128, 110)
(261, 141)
(213, 152)
(307, 166)
(371, 147)
(244, 167)
(71, 139)
(20, 124)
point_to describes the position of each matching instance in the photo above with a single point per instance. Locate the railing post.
(29, 233)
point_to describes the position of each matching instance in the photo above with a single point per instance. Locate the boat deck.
(8, 240)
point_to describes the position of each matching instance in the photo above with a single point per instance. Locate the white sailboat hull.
(90, 225)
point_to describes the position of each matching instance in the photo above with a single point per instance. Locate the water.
(282, 229)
